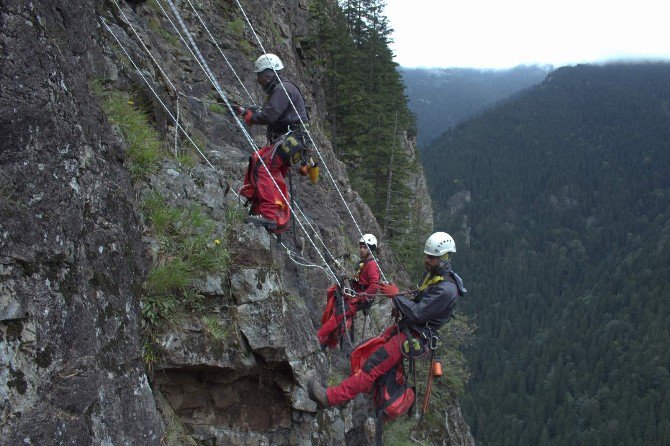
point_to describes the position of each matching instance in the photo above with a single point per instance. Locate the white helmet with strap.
(268, 62)
(370, 240)
(439, 244)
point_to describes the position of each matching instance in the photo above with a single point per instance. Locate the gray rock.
(211, 285)
(254, 284)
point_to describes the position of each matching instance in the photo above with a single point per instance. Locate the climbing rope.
(172, 85)
(215, 83)
(165, 76)
(299, 260)
(176, 132)
(165, 107)
(325, 165)
(221, 52)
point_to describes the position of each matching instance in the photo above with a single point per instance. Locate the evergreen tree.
(367, 113)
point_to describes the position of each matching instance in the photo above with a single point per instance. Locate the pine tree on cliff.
(364, 94)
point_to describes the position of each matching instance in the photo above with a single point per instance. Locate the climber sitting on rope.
(286, 146)
(365, 282)
(419, 316)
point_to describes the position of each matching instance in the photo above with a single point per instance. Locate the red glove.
(247, 116)
(238, 109)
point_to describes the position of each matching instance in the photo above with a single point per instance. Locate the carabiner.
(349, 292)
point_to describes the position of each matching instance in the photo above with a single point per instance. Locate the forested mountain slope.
(443, 98)
(563, 196)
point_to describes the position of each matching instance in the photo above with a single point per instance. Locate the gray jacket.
(278, 113)
(433, 306)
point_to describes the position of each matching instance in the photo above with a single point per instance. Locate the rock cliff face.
(75, 247)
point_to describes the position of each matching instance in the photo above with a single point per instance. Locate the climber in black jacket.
(419, 316)
(283, 112)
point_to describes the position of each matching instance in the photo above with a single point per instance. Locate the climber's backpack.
(392, 399)
(292, 148)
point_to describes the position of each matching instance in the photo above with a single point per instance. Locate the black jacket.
(433, 306)
(278, 113)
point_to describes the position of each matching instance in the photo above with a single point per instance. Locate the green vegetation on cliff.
(189, 244)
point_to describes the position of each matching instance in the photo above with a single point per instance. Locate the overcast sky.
(506, 33)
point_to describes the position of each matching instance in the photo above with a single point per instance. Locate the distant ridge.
(444, 97)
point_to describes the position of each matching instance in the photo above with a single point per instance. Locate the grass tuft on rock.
(236, 26)
(145, 149)
(191, 246)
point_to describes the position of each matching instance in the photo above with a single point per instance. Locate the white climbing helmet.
(369, 240)
(439, 244)
(268, 62)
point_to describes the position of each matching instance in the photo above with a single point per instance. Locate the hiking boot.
(259, 220)
(317, 393)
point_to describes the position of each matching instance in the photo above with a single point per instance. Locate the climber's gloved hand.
(238, 109)
(248, 114)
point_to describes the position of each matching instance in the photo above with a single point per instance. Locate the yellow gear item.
(291, 150)
(358, 271)
(415, 346)
(314, 172)
(430, 280)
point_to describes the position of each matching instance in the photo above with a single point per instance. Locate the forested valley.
(560, 203)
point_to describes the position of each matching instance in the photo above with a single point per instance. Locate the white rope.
(203, 101)
(183, 40)
(215, 83)
(176, 131)
(221, 52)
(293, 257)
(203, 64)
(332, 179)
(167, 110)
(177, 125)
(145, 47)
